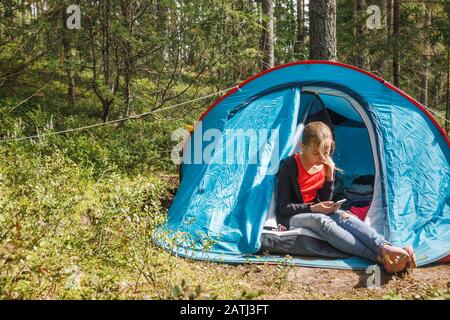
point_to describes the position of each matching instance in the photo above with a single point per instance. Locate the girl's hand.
(329, 166)
(325, 207)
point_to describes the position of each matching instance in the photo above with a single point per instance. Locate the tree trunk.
(389, 15)
(360, 30)
(106, 104)
(106, 40)
(127, 89)
(300, 26)
(322, 30)
(109, 53)
(395, 44)
(385, 7)
(267, 45)
(127, 17)
(65, 41)
(162, 14)
(427, 49)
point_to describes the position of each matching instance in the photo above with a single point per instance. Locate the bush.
(66, 234)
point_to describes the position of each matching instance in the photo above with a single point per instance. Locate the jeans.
(349, 234)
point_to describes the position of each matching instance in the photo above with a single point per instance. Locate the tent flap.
(229, 206)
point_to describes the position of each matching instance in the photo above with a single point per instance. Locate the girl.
(305, 188)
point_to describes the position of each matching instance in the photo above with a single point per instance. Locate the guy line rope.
(114, 121)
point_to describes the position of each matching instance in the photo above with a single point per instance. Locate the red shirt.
(309, 183)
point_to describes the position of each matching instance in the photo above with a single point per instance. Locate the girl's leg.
(332, 233)
(362, 231)
(394, 259)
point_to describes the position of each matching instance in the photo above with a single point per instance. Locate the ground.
(293, 282)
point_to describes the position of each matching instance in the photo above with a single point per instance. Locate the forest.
(90, 93)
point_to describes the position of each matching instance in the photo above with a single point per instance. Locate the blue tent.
(230, 161)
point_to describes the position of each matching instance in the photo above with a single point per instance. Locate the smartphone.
(339, 202)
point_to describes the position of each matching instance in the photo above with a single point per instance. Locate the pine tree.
(322, 31)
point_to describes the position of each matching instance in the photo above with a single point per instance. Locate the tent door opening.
(355, 154)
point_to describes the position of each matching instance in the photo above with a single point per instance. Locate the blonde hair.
(318, 135)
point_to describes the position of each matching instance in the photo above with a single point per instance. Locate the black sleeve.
(285, 191)
(326, 193)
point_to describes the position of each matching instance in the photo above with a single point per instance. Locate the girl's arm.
(326, 193)
(284, 191)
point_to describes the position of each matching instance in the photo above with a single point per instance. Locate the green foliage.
(60, 226)
(183, 291)
(429, 292)
(249, 295)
